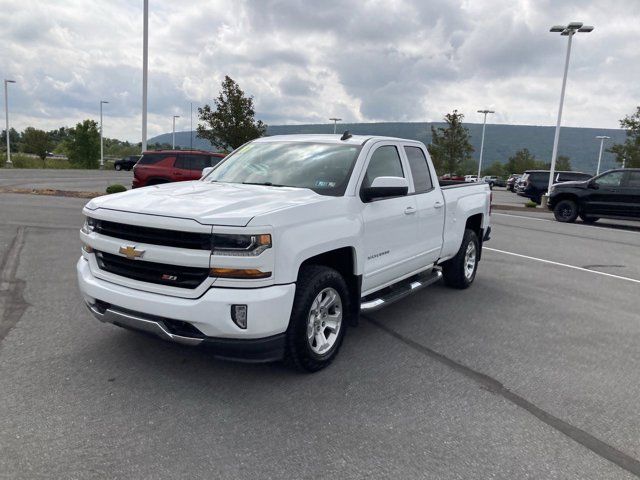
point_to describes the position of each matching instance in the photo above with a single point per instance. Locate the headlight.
(240, 245)
(89, 225)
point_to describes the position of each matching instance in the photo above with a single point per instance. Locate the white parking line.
(563, 265)
(580, 225)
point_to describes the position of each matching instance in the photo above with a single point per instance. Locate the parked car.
(493, 181)
(164, 166)
(534, 183)
(470, 178)
(511, 181)
(613, 194)
(274, 253)
(126, 163)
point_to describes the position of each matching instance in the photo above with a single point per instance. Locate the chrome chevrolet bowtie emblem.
(130, 252)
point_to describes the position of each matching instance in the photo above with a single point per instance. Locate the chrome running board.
(135, 322)
(400, 290)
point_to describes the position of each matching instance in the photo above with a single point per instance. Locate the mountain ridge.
(501, 140)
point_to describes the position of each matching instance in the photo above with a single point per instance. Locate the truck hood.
(230, 204)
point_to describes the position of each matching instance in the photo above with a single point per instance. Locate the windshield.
(324, 168)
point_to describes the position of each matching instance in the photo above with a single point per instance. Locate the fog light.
(87, 248)
(239, 315)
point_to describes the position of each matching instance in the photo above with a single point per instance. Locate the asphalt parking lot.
(531, 373)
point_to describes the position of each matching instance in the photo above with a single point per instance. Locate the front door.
(605, 198)
(390, 224)
(630, 191)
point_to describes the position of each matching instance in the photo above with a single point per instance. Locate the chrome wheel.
(324, 321)
(470, 260)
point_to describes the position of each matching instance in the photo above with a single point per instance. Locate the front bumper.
(204, 321)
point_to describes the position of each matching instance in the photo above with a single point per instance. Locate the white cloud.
(305, 61)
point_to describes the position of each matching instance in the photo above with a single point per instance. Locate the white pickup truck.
(277, 249)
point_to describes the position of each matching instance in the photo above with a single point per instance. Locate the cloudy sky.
(306, 61)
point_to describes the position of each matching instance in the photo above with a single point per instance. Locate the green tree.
(14, 137)
(563, 163)
(37, 142)
(628, 153)
(83, 146)
(450, 148)
(496, 169)
(232, 122)
(523, 160)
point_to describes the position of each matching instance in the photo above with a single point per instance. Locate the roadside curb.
(51, 192)
(517, 208)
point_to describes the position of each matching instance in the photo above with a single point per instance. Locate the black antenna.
(346, 135)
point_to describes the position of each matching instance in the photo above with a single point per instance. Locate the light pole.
(191, 129)
(484, 124)
(602, 138)
(145, 67)
(101, 142)
(173, 138)
(335, 123)
(567, 31)
(6, 116)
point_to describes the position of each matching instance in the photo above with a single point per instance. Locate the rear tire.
(460, 271)
(118, 167)
(566, 211)
(318, 324)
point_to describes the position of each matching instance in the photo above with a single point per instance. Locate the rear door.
(630, 191)
(189, 166)
(430, 204)
(390, 224)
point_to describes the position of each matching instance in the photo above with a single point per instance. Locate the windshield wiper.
(265, 184)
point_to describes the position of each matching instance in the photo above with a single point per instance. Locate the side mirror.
(206, 171)
(385, 187)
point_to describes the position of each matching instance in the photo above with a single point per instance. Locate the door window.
(385, 162)
(633, 180)
(419, 169)
(193, 162)
(612, 179)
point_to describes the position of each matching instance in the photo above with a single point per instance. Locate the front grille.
(154, 236)
(152, 272)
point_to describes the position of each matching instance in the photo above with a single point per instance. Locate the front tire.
(566, 211)
(589, 220)
(319, 318)
(460, 271)
(118, 167)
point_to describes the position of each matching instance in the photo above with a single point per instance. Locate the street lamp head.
(176, 116)
(586, 29)
(486, 111)
(335, 119)
(103, 101)
(571, 29)
(9, 81)
(557, 28)
(575, 25)
(602, 137)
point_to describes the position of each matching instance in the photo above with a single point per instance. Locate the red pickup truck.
(164, 166)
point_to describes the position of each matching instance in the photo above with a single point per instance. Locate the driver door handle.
(438, 205)
(409, 210)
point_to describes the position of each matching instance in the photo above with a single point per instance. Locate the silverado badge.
(130, 252)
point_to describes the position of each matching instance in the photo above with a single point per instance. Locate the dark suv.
(126, 163)
(534, 183)
(613, 194)
(164, 166)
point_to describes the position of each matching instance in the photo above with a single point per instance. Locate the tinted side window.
(539, 177)
(151, 158)
(385, 162)
(419, 169)
(612, 179)
(633, 180)
(215, 160)
(193, 162)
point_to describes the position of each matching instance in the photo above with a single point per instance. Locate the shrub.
(117, 188)
(531, 204)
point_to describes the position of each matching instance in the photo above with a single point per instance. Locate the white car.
(277, 249)
(470, 178)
